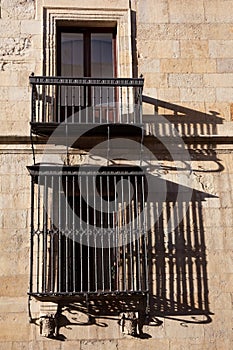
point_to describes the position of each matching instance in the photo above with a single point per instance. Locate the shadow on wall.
(177, 270)
(177, 257)
(177, 262)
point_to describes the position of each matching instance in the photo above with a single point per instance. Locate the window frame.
(86, 31)
(116, 17)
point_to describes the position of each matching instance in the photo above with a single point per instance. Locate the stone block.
(31, 27)
(218, 11)
(220, 300)
(51, 344)
(148, 12)
(20, 345)
(203, 65)
(186, 11)
(159, 49)
(14, 94)
(169, 31)
(139, 344)
(70, 345)
(14, 9)
(221, 48)
(176, 65)
(154, 80)
(101, 344)
(224, 344)
(225, 65)
(13, 304)
(221, 328)
(17, 219)
(193, 343)
(169, 94)
(6, 345)
(218, 80)
(148, 65)
(176, 329)
(217, 31)
(224, 94)
(87, 332)
(8, 78)
(194, 49)
(10, 262)
(9, 28)
(197, 94)
(185, 80)
(15, 327)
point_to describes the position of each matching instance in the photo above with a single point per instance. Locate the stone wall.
(184, 51)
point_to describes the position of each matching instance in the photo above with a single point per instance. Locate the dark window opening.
(86, 52)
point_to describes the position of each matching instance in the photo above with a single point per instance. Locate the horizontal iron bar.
(43, 80)
(114, 292)
(69, 171)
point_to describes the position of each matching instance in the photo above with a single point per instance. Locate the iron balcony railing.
(88, 231)
(86, 100)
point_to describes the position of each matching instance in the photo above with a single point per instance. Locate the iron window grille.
(88, 231)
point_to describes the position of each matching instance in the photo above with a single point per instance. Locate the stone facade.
(184, 50)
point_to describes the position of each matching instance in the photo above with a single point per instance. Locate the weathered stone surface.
(184, 49)
(104, 344)
(138, 344)
(220, 48)
(225, 65)
(186, 11)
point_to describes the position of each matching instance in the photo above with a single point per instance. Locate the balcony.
(84, 104)
(88, 231)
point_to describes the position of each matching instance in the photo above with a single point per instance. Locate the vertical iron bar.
(130, 237)
(33, 104)
(32, 235)
(93, 104)
(72, 101)
(86, 104)
(121, 104)
(59, 103)
(144, 208)
(38, 105)
(140, 104)
(52, 236)
(95, 233)
(45, 216)
(102, 230)
(107, 104)
(52, 104)
(100, 87)
(138, 231)
(59, 235)
(114, 103)
(88, 236)
(116, 226)
(81, 233)
(66, 102)
(74, 232)
(66, 235)
(44, 103)
(38, 237)
(127, 99)
(123, 233)
(109, 232)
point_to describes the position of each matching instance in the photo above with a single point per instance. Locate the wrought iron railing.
(88, 231)
(86, 100)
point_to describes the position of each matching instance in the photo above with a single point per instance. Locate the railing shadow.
(187, 121)
(177, 257)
